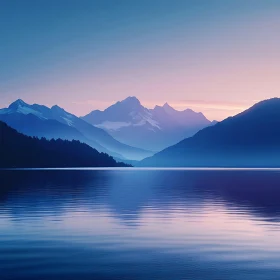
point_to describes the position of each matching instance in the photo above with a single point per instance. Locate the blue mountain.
(18, 150)
(153, 129)
(249, 139)
(55, 122)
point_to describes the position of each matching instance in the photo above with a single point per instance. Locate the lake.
(140, 224)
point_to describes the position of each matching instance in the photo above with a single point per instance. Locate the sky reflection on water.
(134, 224)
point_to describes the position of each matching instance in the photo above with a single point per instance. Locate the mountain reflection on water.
(139, 224)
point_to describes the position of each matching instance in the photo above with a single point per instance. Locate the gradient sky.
(214, 56)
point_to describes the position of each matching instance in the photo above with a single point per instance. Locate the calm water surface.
(140, 224)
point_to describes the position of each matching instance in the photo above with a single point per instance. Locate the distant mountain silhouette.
(18, 150)
(152, 129)
(55, 122)
(249, 139)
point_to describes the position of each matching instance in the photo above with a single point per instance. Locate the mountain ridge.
(41, 153)
(249, 139)
(95, 137)
(130, 122)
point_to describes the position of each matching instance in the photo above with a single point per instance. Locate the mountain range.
(55, 122)
(131, 123)
(126, 130)
(18, 150)
(249, 139)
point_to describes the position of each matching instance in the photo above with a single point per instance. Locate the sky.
(218, 57)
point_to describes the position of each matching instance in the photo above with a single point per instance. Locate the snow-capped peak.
(59, 113)
(131, 102)
(18, 103)
(131, 99)
(19, 106)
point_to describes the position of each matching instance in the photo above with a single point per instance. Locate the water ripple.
(139, 224)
